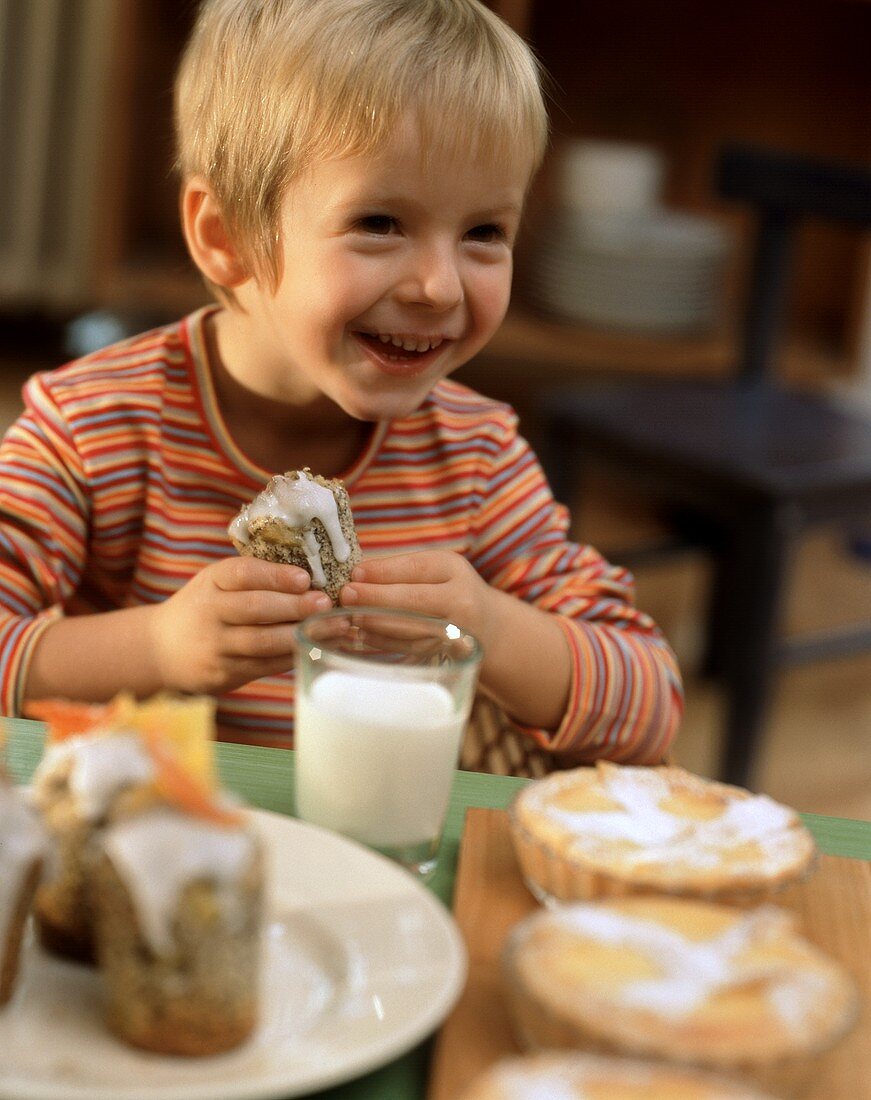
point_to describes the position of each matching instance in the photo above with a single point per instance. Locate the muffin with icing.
(301, 519)
(23, 846)
(177, 894)
(561, 1076)
(727, 990)
(614, 830)
(96, 768)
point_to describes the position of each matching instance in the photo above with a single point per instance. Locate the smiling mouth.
(400, 347)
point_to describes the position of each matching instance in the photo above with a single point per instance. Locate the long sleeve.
(625, 699)
(43, 530)
(118, 481)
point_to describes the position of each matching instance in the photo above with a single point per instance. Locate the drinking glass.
(382, 701)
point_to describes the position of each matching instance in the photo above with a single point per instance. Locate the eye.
(379, 225)
(488, 233)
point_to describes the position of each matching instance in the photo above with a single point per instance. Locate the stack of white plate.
(654, 270)
(609, 177)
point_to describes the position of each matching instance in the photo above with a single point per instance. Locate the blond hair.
(267, 86)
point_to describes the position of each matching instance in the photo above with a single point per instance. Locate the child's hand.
(434, 582)
(232, 623)
(527, 664)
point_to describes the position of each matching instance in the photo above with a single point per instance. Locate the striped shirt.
(118, 481)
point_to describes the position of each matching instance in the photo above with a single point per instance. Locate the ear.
(208, 239)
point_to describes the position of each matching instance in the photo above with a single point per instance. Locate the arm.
(624, 699)
(43, 529)
(527, 664)
(569, 656)
(232, 622)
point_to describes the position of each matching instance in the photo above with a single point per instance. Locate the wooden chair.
(493, 744)
(745, 464)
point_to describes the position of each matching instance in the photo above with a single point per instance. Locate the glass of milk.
(382, 702)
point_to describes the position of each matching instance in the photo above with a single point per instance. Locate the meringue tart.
(727, 990)
(614, 830)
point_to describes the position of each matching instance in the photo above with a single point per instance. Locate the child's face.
(393, 275)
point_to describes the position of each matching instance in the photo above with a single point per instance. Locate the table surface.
(264, 778)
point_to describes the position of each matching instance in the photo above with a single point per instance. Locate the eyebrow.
(508, 208)
(500, 210)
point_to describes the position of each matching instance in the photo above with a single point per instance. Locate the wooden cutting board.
(834, 906)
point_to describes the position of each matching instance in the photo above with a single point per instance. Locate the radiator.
(54, 67)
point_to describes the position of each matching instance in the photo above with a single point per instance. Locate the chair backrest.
(783, 189)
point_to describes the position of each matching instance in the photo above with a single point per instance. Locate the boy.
(353, 178)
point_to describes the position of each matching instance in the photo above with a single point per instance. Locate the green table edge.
(264, 777)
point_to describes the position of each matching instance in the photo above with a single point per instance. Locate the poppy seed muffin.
(23, 845)
(178, 904)
(75, 787)
(99, 767)
(301, 519)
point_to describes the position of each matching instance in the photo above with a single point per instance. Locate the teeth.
(410, 343)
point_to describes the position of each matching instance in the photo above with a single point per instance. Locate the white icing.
(790, 996)
(567, 1077)
(101, 766)
(549, 1085)
(22, 841)
(159, 853)
(662, 836)
(690, 972)
(296, 500)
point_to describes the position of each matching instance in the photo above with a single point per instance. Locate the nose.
(432, 278)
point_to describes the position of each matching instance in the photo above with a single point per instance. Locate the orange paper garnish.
(65, 718)
(182, 789)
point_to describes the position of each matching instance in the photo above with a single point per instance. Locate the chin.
(374, 408)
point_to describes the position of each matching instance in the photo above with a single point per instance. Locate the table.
(264, 778)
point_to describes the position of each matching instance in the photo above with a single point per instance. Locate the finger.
(422, 567)
(245, 574)
(245, 669)
(248, 608)
(273, 641)
(330, 630)
(413, 640)
(423, 598)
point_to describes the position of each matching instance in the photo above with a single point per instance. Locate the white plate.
(361, 963)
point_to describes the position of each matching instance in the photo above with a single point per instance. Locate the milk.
(375, 757)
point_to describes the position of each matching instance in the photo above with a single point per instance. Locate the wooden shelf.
(530, 353)
(529, 337)
(156, 287)
(627, 71)
(557, 351)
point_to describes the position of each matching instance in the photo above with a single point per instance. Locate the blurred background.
(629, 265)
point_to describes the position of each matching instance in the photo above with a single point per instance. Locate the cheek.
(491, 292)
(350, 283)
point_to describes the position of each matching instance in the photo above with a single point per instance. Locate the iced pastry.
(561, 1076)
(302, 519)
(99, 766)
(612, 830)
(23, 846)
(729, 990)
(157, 872)
(178, 901)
